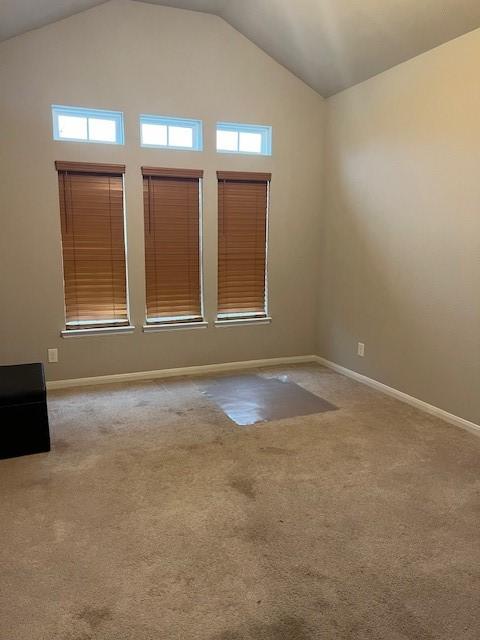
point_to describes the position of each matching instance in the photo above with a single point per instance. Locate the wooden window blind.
(172, 244)
(92, 225)
(242, 243)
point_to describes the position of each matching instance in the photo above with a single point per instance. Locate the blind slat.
(244, 176)
(89, 167)
(161, 172)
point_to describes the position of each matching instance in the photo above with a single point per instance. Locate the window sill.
(98, 331)
(232, 322)
(166, 147)
(173, 326)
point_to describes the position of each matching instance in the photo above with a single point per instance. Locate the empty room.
(240, 320)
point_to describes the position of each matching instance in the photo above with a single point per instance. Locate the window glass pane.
(227, 140)
(154, 134)
(72, 127)
(165, 131)
(180, 137)
(250, 142)
(244, 138)
(89, 125)
(101, 130)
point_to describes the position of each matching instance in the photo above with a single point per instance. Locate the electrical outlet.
(361, 349)
(53, 355)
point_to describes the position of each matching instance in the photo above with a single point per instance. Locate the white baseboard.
(181, 371)
(404, 397)
(269, 362)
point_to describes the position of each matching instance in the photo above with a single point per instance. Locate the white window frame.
(167, 121)
(234, 127)
(81, 112)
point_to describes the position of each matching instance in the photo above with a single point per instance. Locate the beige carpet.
(156, 518)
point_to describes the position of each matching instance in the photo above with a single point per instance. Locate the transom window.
(244, 138)
(171, 133)
(76, 124)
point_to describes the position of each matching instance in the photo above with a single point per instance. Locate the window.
(244, 138)
(75, 124)
(172, 245)
(171, 133)
(242, 244)
(92, 225)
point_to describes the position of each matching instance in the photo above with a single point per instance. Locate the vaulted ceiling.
(330, 44)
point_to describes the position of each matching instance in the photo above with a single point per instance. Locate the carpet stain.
(105, 430)
(286, 628)
(230, 635)
(38, 483)
(95, 616)
(306, 572)
(195, 446)
(245, 486)
(61, 445)
(256, 533)
(278, 451)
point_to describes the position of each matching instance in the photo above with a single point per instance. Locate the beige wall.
(138, 58)
(400, 239)
(398, 262)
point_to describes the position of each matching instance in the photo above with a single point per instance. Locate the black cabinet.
(23, 410)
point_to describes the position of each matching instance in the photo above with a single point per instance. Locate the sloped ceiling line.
(329, 44)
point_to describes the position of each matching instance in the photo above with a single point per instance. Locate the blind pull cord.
(64, 177)
(149, 204)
